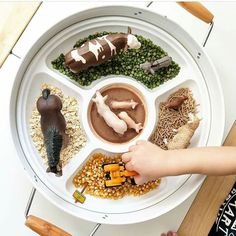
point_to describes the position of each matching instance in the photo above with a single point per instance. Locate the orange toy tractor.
(116, 174)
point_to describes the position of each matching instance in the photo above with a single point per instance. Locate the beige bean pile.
(92, 173)
(170, 120)
(77, 137)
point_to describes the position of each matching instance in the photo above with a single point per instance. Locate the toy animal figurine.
(116, 174)
(97, 51)
(130, 122)
(53, 126)
(111, 119)
(123, 104)
(176, 102)
(152, 67)
(184, 134)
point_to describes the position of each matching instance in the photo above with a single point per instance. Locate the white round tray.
(197, 73)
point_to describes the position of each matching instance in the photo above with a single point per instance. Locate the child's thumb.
(139, 179)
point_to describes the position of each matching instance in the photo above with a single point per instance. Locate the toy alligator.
(53, 126)
(116, 174)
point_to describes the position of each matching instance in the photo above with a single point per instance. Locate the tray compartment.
(26, 105)
(68, 37)
(145, 95)
(199, 138)
(129, 203)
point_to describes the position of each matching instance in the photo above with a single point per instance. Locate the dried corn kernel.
(93, 173)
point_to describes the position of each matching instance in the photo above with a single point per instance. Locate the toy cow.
(96, 51)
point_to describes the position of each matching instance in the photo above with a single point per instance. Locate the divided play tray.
(196, 73)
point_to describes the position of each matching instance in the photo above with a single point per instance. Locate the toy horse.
(53, 126)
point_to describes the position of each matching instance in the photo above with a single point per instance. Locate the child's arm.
(151, 162)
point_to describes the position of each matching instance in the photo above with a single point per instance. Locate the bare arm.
(151, 162)
(206, 160)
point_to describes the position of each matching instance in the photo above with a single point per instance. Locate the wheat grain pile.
(169, 119)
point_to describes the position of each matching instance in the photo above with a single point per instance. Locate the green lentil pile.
(124, 63)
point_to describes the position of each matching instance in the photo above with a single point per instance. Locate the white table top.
(15, 185)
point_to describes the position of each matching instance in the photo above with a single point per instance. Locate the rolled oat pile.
(93, 174)
(77, 137)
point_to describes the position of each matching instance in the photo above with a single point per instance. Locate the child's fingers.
(129, 166)
(126, 157)
(133, 148)
(139, 142)
(170, 233)
(138, 180)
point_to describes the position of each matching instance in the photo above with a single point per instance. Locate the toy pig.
(53, 126)
(111, 119)
(96, 51)
(130, 122)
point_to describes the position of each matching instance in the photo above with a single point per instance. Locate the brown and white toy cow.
(97, 51)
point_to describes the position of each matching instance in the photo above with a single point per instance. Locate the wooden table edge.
(16, 17)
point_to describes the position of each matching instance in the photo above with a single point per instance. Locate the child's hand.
(150, 161)
(170, 233)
